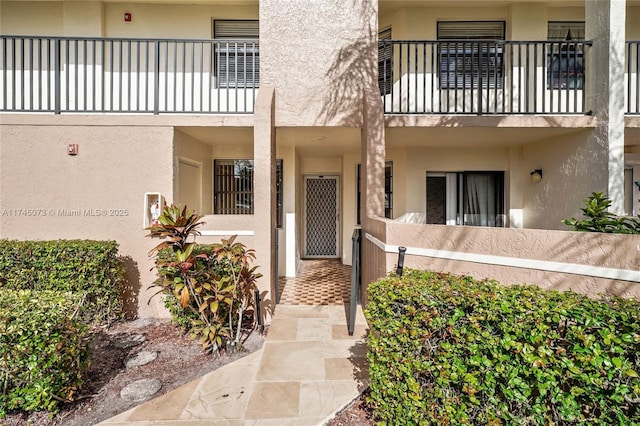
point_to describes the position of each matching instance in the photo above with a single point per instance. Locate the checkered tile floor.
(319, 282)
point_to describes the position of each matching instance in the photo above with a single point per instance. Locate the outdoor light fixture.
(536, 175)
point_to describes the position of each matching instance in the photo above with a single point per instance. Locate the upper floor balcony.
(117, 75)
(481, 77)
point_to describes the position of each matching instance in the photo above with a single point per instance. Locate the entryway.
(321, 220)
(319, 282)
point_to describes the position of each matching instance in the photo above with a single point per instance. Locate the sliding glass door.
(465, 198)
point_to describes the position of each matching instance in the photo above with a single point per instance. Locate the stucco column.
(605, 26)
(373, 155)
(264, 191)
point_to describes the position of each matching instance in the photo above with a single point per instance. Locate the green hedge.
(451, 350)
(43, 349)
(89, 268)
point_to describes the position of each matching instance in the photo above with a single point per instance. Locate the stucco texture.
(583, 248)
(97, 194)
(337, 43)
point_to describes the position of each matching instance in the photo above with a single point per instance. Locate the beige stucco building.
(463, 130)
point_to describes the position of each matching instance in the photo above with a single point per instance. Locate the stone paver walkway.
(308, 369)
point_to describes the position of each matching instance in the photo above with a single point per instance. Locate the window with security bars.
(233, 188)
(388, 191)
(237, 56)
(565, 60)
(470, 54)
(385, 62)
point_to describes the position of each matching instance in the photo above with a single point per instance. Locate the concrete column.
(605, 25)
(373, 155)
(264, 191)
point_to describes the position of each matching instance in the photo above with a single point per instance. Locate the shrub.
(89, 268)
(597, 218)
(43, 349)
(451, 350)
(207, 288)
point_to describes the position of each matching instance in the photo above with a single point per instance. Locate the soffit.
(468, 137)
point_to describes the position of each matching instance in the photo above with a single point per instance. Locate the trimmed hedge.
(445, 349)
(43, 349)
(88, 268)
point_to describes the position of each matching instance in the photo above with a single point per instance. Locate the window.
(565, 69)
(233, 188)
(473, 58)
(385, 62)
(388, 191)
(237, 56)
(465, 198)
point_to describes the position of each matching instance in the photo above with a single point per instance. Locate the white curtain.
(481, 200)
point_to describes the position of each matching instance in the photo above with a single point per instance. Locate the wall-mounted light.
(536, 175)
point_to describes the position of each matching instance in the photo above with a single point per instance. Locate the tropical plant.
(597, 218)
(213, 285)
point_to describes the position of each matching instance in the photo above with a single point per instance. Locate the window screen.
(237, 54)
(473, 58)
(385, 62)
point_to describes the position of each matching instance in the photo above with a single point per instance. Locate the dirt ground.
(179, 361)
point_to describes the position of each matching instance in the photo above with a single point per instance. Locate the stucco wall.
(327, 90)
(567, 166)
(593, 249)
(97, 18)
(97, 194)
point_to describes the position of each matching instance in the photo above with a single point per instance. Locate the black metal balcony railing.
(66, 74)
(632, 98)
(483, 77)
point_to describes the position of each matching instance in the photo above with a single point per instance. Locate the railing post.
(156, 94)
(355, 280)
(277, 273)
(57, 77)
(401, 252)
(258, 312)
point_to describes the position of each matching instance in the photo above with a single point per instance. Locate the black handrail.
(354, 299)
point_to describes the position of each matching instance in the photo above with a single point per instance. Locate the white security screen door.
(321, 218)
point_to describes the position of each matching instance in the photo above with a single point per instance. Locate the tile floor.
(308, 369)
(319, 282)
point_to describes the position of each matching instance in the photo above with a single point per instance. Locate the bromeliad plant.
(213, 286)
(597, 218)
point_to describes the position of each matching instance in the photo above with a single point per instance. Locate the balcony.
(483, 77)
(109, 75)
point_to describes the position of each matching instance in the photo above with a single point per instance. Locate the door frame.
(306, 177)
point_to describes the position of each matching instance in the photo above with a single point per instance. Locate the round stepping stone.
(140, 390)
(141, 358)
(129, 341)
